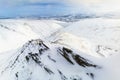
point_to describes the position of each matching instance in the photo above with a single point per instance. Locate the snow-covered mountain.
(38, 60)
(55, 50)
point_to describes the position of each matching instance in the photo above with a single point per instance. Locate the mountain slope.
(97, 37)
(38, 60)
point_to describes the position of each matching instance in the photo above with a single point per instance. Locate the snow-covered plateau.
(88, 49)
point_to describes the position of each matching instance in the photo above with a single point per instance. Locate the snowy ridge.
(24, 30)
(43, 61)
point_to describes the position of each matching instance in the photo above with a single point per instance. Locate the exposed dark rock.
(67, 50)
(63, 77)
(91, 75)
(27, 58)
(82, 61)
(35, 57)
(75, 78)
(48, 70)
(16, 74)
(51, 59)
(15, 61)
(43, 47)
(64, 52)
(68, 55)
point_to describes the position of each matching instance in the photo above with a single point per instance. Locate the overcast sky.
(56, 7)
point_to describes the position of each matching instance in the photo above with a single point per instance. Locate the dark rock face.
(34, 57)
(65, 53)
(62, 75)
(83, 62)
(68, 54)
(48, 70)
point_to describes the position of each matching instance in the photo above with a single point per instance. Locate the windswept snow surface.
(111, 68)
(14, 33)
(88, 49)
(97, 37)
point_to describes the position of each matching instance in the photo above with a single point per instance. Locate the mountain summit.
(39, 60)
